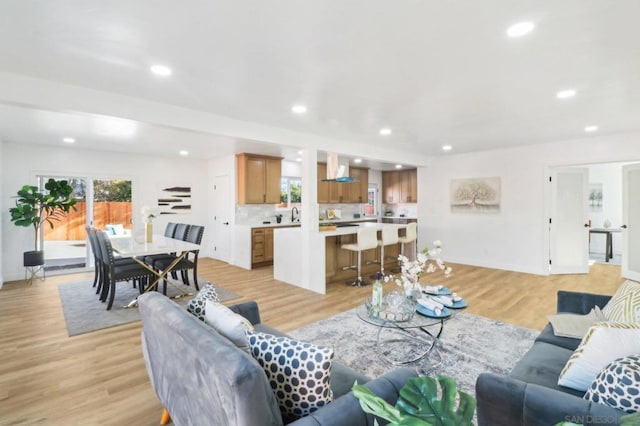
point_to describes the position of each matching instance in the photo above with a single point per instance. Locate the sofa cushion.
(624, 306)
(542, 365)
(228, 323)
(605, 342)
(196, 306)
(298, 372)
(618, 385)
(547, 336)
(575, 325)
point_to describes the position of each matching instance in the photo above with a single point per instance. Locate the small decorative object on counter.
(278, 218)
(606, 224)
(148, 214)
(376, 296)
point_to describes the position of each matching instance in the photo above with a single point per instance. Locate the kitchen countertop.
(275, 225)
(349, 230)
(360, 219)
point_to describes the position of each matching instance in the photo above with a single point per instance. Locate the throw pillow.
(575, 325)
(605, 342)
(624, 305)
(229, 324)
(196, 306)
(298, 373)
(618, 385)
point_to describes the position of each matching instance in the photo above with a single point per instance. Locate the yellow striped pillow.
(603, 343)
(625, 304)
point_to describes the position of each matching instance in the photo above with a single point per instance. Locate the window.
(290, 192)
(370, 209)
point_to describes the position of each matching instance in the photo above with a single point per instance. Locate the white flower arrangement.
(427, 261)
(149, 213)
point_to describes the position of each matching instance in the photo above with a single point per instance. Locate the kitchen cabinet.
(400, 186)
(258, 179)
(261, 246)
(343, 193)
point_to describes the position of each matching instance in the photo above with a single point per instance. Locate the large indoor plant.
(420, 405)
(35, 207)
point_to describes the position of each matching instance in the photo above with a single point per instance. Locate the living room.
(499, 259)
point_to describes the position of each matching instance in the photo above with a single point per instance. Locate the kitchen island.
(327, 258)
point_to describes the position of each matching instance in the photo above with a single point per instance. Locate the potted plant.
(34, 207)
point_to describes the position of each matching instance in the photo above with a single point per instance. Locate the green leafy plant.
(35, 207)
(419, 403)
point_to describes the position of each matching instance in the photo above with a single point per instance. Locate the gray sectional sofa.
(530, 395)
(202, 378)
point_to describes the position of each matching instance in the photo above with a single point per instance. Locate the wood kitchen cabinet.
(343, 193)
(258, 179)
(400, 186)
(261, 247)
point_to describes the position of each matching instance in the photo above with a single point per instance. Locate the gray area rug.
(468, 346)
(83, 311)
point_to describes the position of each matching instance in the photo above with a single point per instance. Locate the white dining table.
(137, 248)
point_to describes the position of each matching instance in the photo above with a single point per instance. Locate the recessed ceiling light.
(564, 94)
(446, 147)
(591, 128)
(299, 152)
(398, 166)
(161, 70)
(385, 131)
(299, 109)
(299, 160)
(520, 29)
(68, 140)
(357, 160)
(184, 153)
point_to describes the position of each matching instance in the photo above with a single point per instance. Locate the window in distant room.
(370, 208)
(290, 192)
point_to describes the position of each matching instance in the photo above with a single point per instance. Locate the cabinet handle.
(264, 198)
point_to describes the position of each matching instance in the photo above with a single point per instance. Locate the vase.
(148, 232)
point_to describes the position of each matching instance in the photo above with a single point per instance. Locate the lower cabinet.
(337, 259)
(261, 247)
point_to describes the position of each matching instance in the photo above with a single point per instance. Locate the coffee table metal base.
(409, 344)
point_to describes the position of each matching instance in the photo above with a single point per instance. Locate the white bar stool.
(367, 240)
(389, 237)
(411, 235)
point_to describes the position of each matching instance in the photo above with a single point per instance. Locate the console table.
(608, 250)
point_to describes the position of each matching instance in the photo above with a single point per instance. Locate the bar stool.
(411, 235)
(367, 240)
(389, 237)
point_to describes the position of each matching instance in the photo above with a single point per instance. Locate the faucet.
(294, 216)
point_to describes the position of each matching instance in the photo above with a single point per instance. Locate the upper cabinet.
(400, 186)
(258, 179)
(343, 193)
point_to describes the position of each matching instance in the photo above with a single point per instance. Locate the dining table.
(137, 248)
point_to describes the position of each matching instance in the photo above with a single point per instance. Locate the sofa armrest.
(346, 409)
(580, 303)
(503, 401)
(249, 310)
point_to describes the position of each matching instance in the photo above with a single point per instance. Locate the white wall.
(516, 238)
(22, 163)
(610, 176)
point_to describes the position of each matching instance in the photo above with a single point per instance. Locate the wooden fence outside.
(71, 227)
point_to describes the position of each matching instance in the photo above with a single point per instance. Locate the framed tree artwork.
(475, 195)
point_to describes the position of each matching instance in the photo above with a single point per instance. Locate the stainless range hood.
(337, 169)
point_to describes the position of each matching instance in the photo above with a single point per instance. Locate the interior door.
(631, 221)
(568, 227)
(222, 213)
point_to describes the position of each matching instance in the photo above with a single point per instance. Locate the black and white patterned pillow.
(196, 305)
(298, 373)
(618, 385)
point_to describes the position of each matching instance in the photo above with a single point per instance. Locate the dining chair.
(169, 231)
(194, 236)
(114, 272)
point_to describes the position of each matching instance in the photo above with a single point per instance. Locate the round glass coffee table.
(404, 342)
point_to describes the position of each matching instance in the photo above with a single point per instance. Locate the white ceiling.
(435, 72)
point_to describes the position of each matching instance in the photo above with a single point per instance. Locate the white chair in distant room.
(367, 240)
(410, 236)
(389, 237)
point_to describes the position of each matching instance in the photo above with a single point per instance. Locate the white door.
(222, 213)
(631, 221)
(568, 226)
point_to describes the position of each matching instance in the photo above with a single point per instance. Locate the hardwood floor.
(49, 378)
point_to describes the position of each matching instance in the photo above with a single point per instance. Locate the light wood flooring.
(49, 378)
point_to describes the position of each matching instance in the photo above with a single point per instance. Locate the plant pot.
(33, 258)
